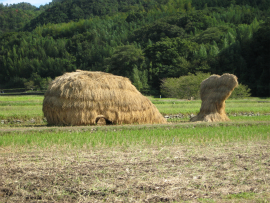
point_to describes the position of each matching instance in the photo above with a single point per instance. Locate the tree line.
(147, 42)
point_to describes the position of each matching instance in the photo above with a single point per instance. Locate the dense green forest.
(14, 16)
(144, 40)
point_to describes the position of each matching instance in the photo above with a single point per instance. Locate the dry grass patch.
(173, 173)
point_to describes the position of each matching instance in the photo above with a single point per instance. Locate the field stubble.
(213, 173)
(196, 163)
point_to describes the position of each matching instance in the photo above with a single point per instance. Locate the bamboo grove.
(145, 41)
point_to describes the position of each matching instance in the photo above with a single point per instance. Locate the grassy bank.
(145, 137)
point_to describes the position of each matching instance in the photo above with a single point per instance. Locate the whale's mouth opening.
(101, 120)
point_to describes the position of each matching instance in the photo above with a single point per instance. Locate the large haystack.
(84, 97)
(214, 91)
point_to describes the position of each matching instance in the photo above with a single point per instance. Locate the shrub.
(30, 85)
(188, 86)
(35, 82)
(183, 87)
(241, 91)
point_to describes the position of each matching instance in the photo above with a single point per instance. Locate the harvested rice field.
(175, 162)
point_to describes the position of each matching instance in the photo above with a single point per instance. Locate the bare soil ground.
(169, 174)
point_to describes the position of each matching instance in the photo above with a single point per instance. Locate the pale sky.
(36, 3)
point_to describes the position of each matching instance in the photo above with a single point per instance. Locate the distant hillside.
(16, 16)
(73, 10)
(27, 6)
(260, 4)
(146, 41)
(23, 6)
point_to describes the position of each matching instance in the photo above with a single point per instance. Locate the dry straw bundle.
(84, 97)
(214, 91)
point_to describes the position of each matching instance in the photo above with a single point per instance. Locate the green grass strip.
(250, 118)
(21, 98)
(20, 112)
(140, 137)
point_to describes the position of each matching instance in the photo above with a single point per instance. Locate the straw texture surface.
(213, 92)
(84, 97)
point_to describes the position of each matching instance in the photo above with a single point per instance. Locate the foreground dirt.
(169, 174)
